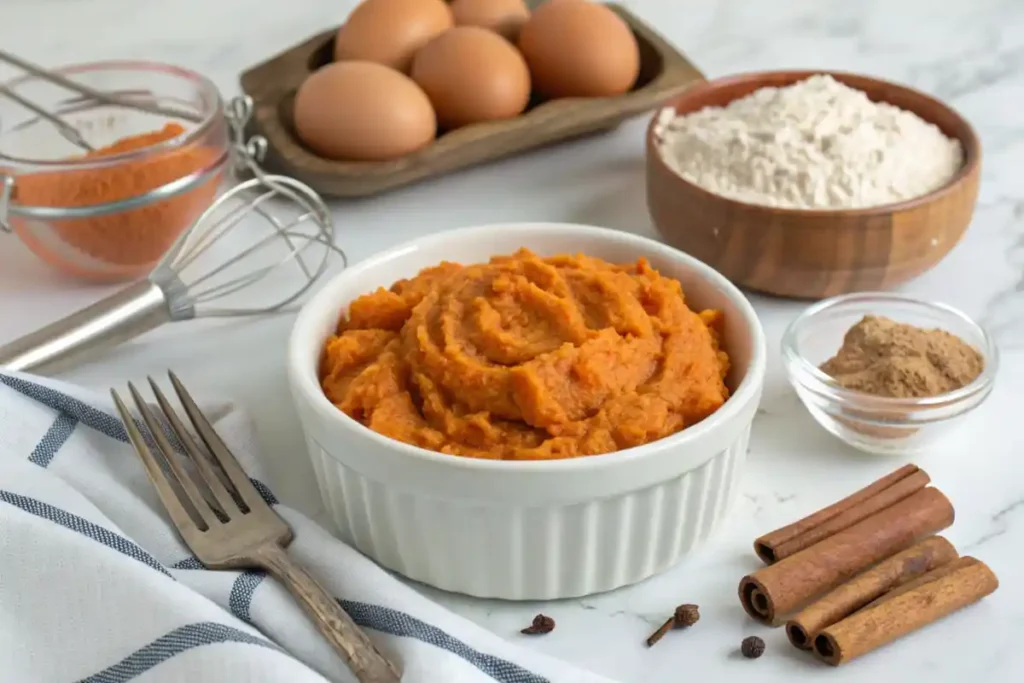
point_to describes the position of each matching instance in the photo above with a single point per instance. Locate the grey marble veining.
(970, 54)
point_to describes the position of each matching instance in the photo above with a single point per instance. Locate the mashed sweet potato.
(527, 358)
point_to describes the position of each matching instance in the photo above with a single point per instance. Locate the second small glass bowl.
(874, 424)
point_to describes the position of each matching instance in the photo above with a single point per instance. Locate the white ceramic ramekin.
(527, 530)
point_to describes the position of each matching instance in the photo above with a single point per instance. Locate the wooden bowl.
(813, 254)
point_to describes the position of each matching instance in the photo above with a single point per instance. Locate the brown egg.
(472, 74)
(362, 111)
(501, 16)
(390, 32)
(579, 49)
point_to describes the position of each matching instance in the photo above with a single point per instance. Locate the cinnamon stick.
(778, 590)
(900, 569)
(936, 573)
(890, 489)
(935, 595)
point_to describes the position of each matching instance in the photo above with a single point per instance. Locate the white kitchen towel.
(96, 586)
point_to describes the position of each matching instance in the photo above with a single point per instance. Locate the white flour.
(817, 144)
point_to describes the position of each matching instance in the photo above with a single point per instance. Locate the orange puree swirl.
(527, 358)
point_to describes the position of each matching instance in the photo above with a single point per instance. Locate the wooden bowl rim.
(971, 145)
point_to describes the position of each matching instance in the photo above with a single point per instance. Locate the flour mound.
(817, 144)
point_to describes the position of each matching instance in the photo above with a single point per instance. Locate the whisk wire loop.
(264, 196)
(273, 221)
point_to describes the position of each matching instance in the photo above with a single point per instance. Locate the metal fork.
(230, 526)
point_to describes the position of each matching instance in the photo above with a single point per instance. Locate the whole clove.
(684, 616)
(541, 624)
(752, 647)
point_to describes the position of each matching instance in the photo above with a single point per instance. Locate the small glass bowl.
(109, 217)
(893, 426)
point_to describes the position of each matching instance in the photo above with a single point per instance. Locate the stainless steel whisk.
(193, 280)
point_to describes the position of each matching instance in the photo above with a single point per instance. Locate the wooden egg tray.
(664, 73)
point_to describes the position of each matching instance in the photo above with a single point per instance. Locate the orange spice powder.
(127, 243)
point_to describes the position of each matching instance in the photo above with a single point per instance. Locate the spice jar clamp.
(182, 286)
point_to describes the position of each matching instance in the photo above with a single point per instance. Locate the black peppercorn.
(752, 647)
(541, 624)
(685, 615)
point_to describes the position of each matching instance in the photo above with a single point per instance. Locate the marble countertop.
(969, 54)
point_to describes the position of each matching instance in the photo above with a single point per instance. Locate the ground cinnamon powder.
(882, 357)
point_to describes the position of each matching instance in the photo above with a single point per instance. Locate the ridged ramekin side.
(530, 553)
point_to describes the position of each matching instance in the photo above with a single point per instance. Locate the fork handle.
(365, 661)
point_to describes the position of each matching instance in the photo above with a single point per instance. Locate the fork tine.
(199, 503)
(202, 462)
(181, 518)
(217, 447)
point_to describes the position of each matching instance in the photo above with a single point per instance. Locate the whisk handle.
(118, 318)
